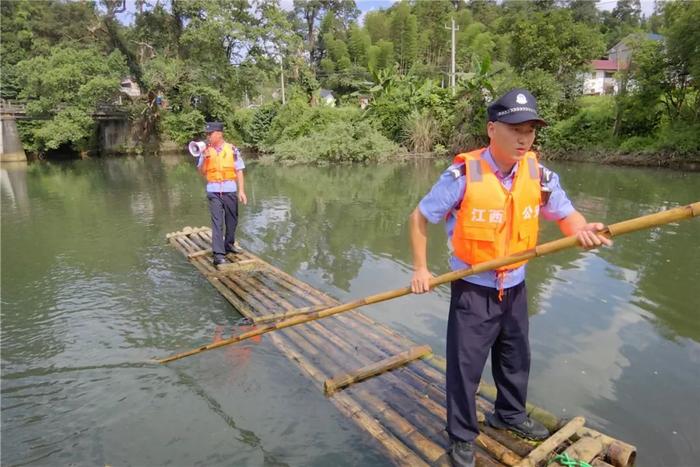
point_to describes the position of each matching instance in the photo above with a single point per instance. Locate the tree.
(661, 75)
(404, 31)
(377, 25)
(66, 87)
(622, 21)
(682, 53)
(485, 11)
(381, 56)
(157, 32)
(216, 33)
(433, 37)
(628, 12)
(313, 11)
(358, 44)
(474, 39)
(552, 41)
(338, 53)
(683, 41)
(31, 29)
(584, 11)
(637, 103)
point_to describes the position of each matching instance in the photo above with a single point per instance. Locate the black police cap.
(213, 126)
(515, 106)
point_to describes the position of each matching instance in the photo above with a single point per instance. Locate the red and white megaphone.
(196, 148)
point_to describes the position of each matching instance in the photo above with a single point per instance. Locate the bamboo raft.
(387, 385)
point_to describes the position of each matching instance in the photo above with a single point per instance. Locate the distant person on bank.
(491, 199)
(221, 164)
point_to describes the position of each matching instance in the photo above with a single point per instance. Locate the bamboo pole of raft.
(585, 449)
(548, 445)
(203, 252)
(613, 230)
(340, 381)
(287, 314)
(619, 453)
(600, 463)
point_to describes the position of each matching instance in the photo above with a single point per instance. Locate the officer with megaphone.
(222, 166)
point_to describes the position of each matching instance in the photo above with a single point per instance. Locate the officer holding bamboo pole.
(491, 200)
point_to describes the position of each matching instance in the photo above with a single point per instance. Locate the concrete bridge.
(113, 125)
(11, 149)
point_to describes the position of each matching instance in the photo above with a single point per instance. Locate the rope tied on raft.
(567, 461)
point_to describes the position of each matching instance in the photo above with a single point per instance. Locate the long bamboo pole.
(613, 230)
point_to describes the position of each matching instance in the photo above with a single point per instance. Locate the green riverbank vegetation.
(358, 86)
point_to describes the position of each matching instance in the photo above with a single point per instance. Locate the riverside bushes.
(591, 131)
(337, 142)
(591, 128)
(299, 133)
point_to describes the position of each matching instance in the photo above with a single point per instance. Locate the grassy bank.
(593, 134)
(299, 133)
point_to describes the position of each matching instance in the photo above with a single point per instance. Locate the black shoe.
(461, 453)
(530, 428)
(219, 260)
(234, 249)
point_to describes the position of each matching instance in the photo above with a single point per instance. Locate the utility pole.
(452, 69)
(454, 29)
(282, 79)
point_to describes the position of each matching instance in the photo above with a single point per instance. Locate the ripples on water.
(91, 292)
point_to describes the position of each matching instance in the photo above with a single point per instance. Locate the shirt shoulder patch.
(545, 175)
(459, 171)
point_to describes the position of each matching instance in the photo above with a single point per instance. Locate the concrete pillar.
(11, 149)
(115, 136)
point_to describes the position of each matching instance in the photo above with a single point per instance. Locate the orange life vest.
(220, 166)
(493, 222)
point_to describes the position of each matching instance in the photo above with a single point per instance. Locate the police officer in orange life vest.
(491, 199)
(221, 164)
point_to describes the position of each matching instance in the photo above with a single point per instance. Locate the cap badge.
(521, 99)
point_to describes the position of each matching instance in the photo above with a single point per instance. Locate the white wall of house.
(130, 87)
(599, 82)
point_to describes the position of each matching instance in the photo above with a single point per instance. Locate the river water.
(91, 292)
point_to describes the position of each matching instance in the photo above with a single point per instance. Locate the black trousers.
(477, 323)
(223, 208)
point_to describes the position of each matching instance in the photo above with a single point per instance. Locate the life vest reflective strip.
(493, 222)
(220, 166)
